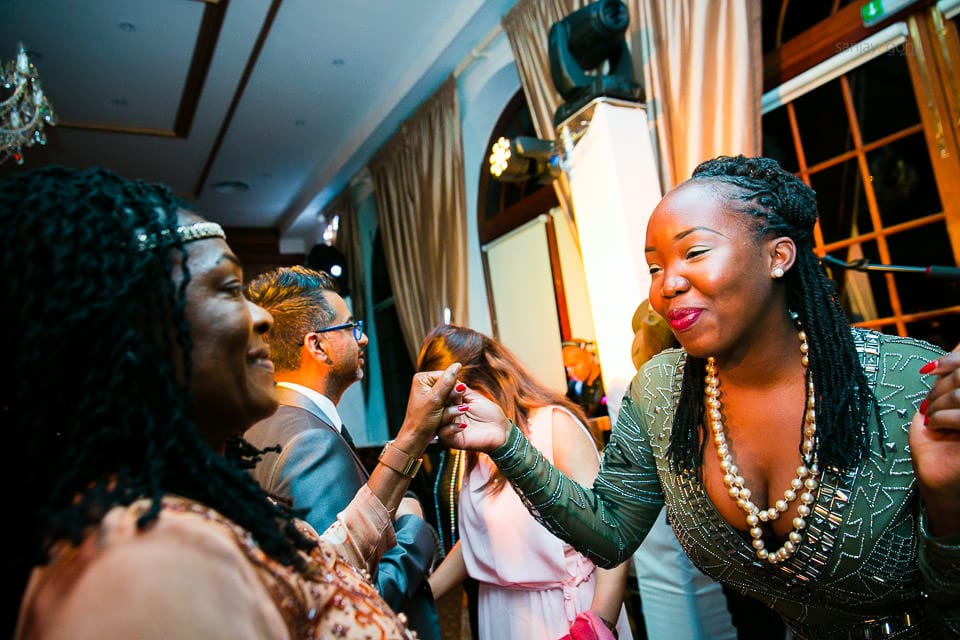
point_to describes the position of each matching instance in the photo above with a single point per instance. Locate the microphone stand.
(862, 264)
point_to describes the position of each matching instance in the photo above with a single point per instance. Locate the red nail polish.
(460, 388)
(923, 407)
(926, 420)
(462, 425)
(463, 408)
(930, 366)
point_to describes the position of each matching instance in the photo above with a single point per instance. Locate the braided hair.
(782, 205)
(96, 398)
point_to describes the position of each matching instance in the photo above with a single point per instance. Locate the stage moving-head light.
(589, 57)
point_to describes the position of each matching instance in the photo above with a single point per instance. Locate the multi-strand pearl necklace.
(805, 482)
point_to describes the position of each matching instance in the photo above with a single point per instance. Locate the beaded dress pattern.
(333, 600)
(329, 599)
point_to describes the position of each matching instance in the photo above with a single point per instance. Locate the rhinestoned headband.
(186, 233)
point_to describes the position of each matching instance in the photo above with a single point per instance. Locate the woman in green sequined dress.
(811, 466)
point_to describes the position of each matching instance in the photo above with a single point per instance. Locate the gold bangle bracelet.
(400, 461)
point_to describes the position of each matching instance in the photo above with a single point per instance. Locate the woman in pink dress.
(532, 585)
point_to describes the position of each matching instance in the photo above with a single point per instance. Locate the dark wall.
(259, 250)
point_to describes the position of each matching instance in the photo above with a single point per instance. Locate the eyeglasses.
(357, 327)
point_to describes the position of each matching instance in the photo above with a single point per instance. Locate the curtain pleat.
(702, 67)
(418, 186)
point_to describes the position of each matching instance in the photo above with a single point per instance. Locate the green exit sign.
(876, 10)
(872, 11)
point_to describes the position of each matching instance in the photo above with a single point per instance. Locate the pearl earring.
(777, 273)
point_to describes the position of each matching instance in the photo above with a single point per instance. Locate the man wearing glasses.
(318, 348)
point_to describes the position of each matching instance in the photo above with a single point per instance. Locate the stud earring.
(777, 273)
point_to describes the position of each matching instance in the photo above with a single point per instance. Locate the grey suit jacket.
(320, 472)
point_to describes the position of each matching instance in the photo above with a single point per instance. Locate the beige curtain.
(702, 67)
(348, 242)
(700, 61)
(421, 207)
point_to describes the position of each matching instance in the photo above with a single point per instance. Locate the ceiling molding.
(238, 95)
(207, 35)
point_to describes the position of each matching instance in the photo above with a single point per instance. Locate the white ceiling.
(294, 99)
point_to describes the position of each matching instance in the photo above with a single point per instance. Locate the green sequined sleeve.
(608, 522)
(939, 561)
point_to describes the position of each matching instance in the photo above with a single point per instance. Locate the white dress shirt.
(323, 402)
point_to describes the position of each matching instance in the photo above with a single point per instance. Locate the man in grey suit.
(318, 350)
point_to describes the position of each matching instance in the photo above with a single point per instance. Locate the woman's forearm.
(451, 572)
(608, 595)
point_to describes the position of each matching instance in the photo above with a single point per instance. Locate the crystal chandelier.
(25, 112)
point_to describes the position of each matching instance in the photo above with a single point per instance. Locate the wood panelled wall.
(259, 250)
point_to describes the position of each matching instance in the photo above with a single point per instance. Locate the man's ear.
(313, 346)
(783, 253)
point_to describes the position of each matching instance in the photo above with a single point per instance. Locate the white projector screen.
(524, 302)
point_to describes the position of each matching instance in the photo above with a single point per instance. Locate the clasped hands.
(464, 419)
(441, 406)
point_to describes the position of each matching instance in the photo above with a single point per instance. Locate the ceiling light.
(231, 186)
(25, 112)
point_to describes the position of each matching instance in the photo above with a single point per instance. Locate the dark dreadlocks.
(783, 205)
(92, 402)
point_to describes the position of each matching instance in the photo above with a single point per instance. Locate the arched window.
(504, 206)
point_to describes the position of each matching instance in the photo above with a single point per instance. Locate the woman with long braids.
(136, 365)
(809, 465)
